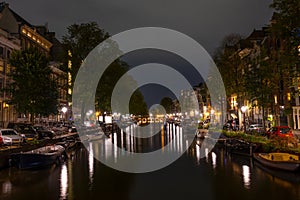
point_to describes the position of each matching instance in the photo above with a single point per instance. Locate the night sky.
(206, 21)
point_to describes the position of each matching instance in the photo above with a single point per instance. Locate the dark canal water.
(218, 175)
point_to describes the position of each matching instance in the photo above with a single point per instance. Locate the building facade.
(18, 34)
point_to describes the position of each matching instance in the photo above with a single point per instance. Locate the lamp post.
(64, 110)
(243, 109)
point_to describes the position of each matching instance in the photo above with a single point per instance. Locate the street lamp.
(64, 110)
(243, 109)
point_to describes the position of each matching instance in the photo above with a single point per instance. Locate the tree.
(231, 66)
(32, 89)
(285, 29)
(167, 103)
(260, 84)
(79, 41)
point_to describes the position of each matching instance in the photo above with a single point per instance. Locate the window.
(1, 83)
(9, 132)
(8, 54)
(7, 68)
(1, 66)
(2, 52)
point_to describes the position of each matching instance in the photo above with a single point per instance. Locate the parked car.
(259, 128)
(10, 136)
(1, 141)
(280, 131)
(43, 132)
(25, 129)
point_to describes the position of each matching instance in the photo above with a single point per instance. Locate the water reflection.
(91, 163)
(6, 187)
(64, 182)
(246, 176)
(120, 143)
(73, 179)
(214, 159)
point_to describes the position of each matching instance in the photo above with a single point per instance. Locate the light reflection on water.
(246, 176)
(190, 177)
(64, 182)
(6, 187)
(214, 159)
(91, 163)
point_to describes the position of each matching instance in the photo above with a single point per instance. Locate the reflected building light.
(180, 140)
(206, 154)
(246, 176)
(132, 141)
(115, 147)
(186, 143)
(91, 162)
(6, 187)
(198, 153)
(64, 182)
(214, 159)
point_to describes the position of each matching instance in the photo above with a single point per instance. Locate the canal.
(214, 175)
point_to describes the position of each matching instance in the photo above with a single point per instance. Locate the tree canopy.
(79, 41)
(32, 90)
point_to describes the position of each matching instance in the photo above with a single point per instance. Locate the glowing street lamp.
(64, 110)
(243, 109)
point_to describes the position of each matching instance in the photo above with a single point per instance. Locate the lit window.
(1, 66)
(7, 68)
(69, 91)
(69, 78)
(69, 64)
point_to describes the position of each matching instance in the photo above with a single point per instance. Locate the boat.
(41, 157)
(281, 161)
(280, 175)
(241, 147)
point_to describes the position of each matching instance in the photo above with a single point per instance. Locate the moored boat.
(282, 161)
(40, 157)
(241, 147)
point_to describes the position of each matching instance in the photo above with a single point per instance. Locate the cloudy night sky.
(206, 21)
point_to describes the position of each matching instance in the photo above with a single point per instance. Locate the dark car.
(43, 132)
(280, 131)
(24, 129)
(232, 124)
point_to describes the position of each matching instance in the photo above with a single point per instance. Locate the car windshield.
(8, 132)
(284, 130)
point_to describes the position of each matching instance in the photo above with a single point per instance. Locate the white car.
(10, 136)
(256, 128)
